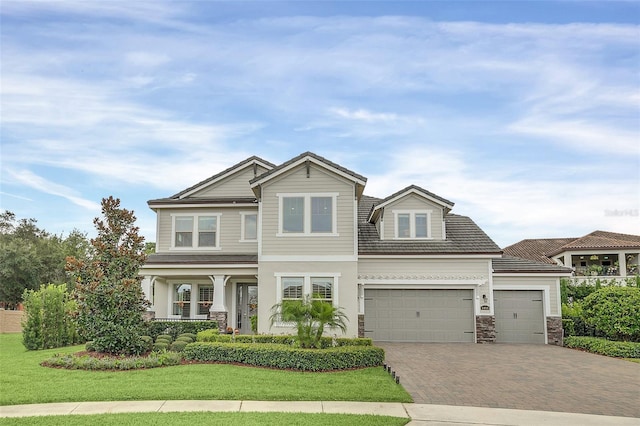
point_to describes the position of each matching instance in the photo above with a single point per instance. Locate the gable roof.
(227, 172)
(542, 250)
(311, 157)
(463, 237)
(411, 189)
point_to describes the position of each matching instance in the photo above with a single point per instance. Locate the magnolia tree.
(108, 291)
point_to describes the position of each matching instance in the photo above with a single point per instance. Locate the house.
(403, 268)
(600, 255)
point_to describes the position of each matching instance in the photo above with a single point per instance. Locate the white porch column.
(567, 260)
(146, 286)
(218, 293)
(622, 264)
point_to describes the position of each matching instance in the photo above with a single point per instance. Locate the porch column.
(218, 311)
(567, 260)
(622, 264)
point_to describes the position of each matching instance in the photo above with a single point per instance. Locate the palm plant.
(310, 318)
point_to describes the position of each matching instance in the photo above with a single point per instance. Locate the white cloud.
(31, 180)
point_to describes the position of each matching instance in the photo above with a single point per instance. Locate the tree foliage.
(614, 311)
(108, 291)
(30, 256)
(310, 318)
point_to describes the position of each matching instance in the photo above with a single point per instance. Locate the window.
(293, 214)
(205, 299)
(184, 231)
(182, 300)
(292, 288)
(322, 289)
(308, 214)
(250, 227)
(204, 227)
(410, 224)
(207, 226)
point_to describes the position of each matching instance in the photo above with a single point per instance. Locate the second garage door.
(519, 316)
(419, 315)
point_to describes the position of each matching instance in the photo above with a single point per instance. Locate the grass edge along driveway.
(30, 383)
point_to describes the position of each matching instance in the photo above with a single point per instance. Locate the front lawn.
(190, 419)
(24, 381)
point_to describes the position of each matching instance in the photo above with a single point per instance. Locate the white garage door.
(519, 316)
(419, 315)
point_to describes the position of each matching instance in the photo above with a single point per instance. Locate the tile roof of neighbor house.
(543, 249)
(201, 259)
(222, 173)
(510, 264)
(309, 154)
(463, 237)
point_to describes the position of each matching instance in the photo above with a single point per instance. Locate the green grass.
(190, 419)
(20, 371)
(637, 360)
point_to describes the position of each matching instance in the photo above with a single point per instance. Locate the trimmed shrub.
(281, 339)
(160, 346)
(178, 346)
(164, 337)
(191, 335)
(176, 328)
(86, 362)
(286, 357)
(185, 339)
(49, 321)
(89, 346)
(148, 342)
(615, 311)
(604, 347)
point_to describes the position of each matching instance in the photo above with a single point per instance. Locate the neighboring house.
(598, 255)
(403, 268)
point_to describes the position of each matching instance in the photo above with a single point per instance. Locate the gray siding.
(236, 185)
(526, 283)
(320, 181)
(443, 267)
(413, 202)
(229, 228)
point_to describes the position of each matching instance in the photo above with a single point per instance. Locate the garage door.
(519, 316)
(419, 315)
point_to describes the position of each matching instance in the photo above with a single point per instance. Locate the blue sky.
(525, 114)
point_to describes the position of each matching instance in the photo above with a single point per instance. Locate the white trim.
(534, 274)
(259, 228)
(412, 223)
(355, 226)
(194, 232)
(201, 205)
(404, 194)
(306, 286)
(243, 216)
(420, 284)
(307, 196)
(226, 175)
(546, 296)
(207, 266)
(430, 256)
(312, 160)
(308, 258)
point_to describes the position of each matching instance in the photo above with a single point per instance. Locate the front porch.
(612, 266)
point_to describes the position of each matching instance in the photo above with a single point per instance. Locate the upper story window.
(249, 224)
(412, 224)
(196, 232)
(307, 214)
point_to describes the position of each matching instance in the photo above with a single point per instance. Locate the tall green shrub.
(615, 311)
(49, 318)
(108, 291)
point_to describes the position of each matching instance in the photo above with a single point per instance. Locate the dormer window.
(412, 224)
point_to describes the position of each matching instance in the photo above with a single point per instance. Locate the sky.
(525, 114)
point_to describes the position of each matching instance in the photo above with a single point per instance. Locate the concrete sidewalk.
(420, 414)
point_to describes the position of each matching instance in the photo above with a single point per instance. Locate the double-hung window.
(295, 287)
(205, 299)
(182, 300)
(412, 224)
(308, 214)
(249, 224)
(198, 231)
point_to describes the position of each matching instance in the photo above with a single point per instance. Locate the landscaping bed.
(602, 346)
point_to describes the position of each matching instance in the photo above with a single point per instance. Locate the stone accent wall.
(361, 325)
(554, 331)
(221, 317)
(149, 315)
(485, 329)
(10, 321)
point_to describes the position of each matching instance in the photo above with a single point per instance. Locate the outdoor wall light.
(484, 298)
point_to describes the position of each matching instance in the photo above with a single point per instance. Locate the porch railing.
(179, 319)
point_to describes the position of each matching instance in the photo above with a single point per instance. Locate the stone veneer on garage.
(485, 329)
(554, 331)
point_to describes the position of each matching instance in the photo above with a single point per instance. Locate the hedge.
(604, 347)
(86, 362)
(175, 328)
(286, 357)
(325, 342)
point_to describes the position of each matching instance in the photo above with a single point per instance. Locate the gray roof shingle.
(510, 264)
(201, 259)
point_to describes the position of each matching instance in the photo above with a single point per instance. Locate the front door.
(247, 306)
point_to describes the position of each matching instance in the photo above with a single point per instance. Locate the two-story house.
(403, 268)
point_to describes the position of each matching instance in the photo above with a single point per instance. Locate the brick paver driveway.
(528, 377)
